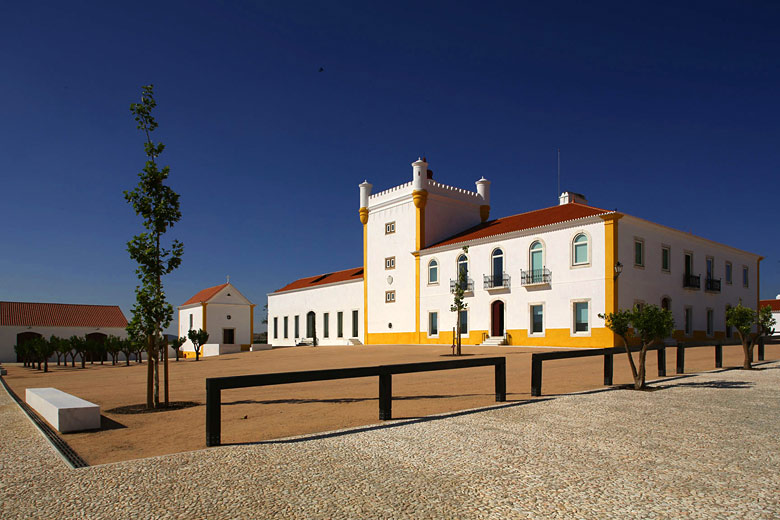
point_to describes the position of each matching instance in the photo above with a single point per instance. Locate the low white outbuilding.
(223, 312)
(22, 321)
(775, 305)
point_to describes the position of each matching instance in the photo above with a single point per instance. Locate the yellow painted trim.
(610, 258)
(245, 348)
(758, 283)
(420, 199)
(599, 337)
(484, 212)
(204, 315)
(417, 296)
(251, 324)
(364, 220)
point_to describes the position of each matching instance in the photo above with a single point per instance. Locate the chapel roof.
(356, 273)
(528, 220)
(205, 295)
(61, 315)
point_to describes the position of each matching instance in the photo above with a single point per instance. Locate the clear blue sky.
(665, 111)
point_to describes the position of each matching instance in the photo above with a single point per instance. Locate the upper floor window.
(666, 253)
(390, 262)
(433, 271)
(744, 276)
(710, 263)
(537, 256)
(463, 266)
(728, 273)
(580, 249)
(639, 252)
(390, 228)
(389, 296)
(497, 262)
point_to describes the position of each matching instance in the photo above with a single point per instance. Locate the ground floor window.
(688, 321)
(464, 322)
(297, 326)
(581, 321)
(325, 325)
(340, 324)
(433, 323)
(354, 324)
(276, 328)
(710, 327)
(286, 320)
(537, 319)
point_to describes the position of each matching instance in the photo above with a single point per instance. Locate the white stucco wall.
(227, 302)
(332, 298)
(649, 284)
(8, 336)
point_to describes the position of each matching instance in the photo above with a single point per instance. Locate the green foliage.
(176, 345)
(618, 322)
(741, 318)
(79, 346)
(199, 338)
(158, 206)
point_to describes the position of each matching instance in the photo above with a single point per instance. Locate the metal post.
(680, 358)
(662, 361)
(761, 349)
(385, 397)
(501, 381)
(608, 362)
(719, 355)
(213, 413)
(536, 376)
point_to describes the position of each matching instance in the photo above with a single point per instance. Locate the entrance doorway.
(497, 318)
(311, 325)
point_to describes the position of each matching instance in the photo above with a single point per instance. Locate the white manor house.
(539, 278)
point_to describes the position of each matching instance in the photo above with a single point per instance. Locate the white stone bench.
(67, 413)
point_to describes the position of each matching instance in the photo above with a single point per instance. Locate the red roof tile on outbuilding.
(531, 219)
(61, 315)
(775, 304)
(356, 273)
(206, 294)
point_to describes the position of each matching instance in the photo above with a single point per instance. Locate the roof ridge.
(60, 303)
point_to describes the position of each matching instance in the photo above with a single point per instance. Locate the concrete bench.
(67, 413)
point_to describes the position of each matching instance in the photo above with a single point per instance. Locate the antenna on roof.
(228, 278)
(559, 173)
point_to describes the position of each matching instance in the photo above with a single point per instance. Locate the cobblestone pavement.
(704, 446)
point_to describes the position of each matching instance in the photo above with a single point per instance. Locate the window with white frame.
(463, 266)
(464, 322)
(744, 276)
(581, 317)
(728, 273)
(390, 262)
(433, 271)
(190, 322)
(580, 253)
(688, 321)
(297, 326)
(666, 258)
(537, 319)
(497, 264)
(433, 323)
(389, 228)
(710, 267)
(340, 324)
(639, 252)
(536, 258)
(355, 318)
(389, 296)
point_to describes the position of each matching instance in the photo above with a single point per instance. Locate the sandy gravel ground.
(287, 410)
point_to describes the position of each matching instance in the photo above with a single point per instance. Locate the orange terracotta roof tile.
(356, 273)
(61, 315)
(532, 219)
(206, 294)
(775, 304)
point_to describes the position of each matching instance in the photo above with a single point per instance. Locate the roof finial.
(228, 278)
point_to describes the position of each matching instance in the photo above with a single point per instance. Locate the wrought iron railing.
(536, 276)
(692, 281)
(468, 285)
(496, 281)
(712, 285)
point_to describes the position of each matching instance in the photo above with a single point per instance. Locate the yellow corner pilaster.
(204, 314)
(610, 258)
(420, 199)
(758, 283)
(364, 221)
(251, 323)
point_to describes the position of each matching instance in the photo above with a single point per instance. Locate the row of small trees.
(36, 352)
(649, 324)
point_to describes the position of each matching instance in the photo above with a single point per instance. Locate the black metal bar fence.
(215, 385)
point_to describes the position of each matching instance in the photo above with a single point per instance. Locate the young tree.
(126, 348)
(158, 205)
(79, 346)
(22, 352)
(650, 324)
(199, 338)
(113, 346)
(176, 345)
(458, 303)
(743, 319)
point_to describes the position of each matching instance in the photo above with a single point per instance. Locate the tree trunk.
(46, 365)
(149, 374)
(165, 357)
(73, 360)
(748, 351)
(631, 362)
(83, 360)
(642, 358)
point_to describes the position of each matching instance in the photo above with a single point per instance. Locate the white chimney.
(569, 196)
(365, 192)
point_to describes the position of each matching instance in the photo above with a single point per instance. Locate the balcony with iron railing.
(712, 285)
(692, 281)
(536, 276)
(468, 285)
(496, 281)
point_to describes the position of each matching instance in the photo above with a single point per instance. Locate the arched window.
(433, 271)
(580, 249)
(497, 261)
(666, 303)
(463, 266)
(537, 257)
